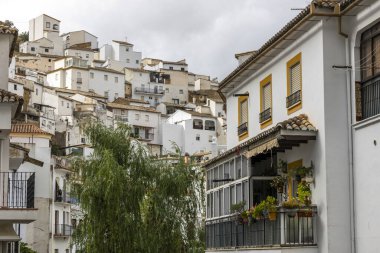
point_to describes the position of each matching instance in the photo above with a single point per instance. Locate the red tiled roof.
(6, 97)
(27, 128)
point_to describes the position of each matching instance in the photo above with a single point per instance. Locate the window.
(33, 49)
(210, 125)
(106, 94)
(146, 118)
(36, 91)
(180, 91)
(198, 137)
(175, 101)
(49, 60)
(210, 138)
(62, 103)
(56, 250)
(91, 75)
(46, 50)
(68, 105)
(197, 124)
(137, 116)
(294, 84)
(167, 90)
(68, 136)
(137, 61)
(127, 49)
(15, 86)
(55, 27)
(370, 70)
(116, 79)
(127, 60)
(171, 68)
(182, 69)
(105, 77)
(87, 56)
(266, 102)
(242, 117)
(47, 24)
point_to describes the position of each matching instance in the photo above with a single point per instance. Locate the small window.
(68, 105)
(68, 136)
(127, 60)
(198, 137)
(137, 61)
(146, 118)
(210, 125)
(180, 91)
(106, 94)
(55, 27)
(294, 84)
(182, 69)
(91, 75)
(171, 68)
(56, 250)
(116, 79)
(36, 92)
(33, 49)
(116, 95)
(87, 56)
(198, 124)
(175, 101)
(46, 50)
(167, 90)
(63, 103)
(127, 49)
(210, 138)
(49, 60)
(15, 86)
(105, 77)
(47, 24)
(137, 116)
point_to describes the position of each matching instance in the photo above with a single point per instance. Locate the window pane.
(220, 202)
(232, 169)
(366, 59)
(232, 195)
(239, 196)
(220, 172)
(226, 171)
(245, 194)
(226, 201)
(244, 166)
(266, 97)
(376, 49)
(216, 196)
(295, 78)
(238, 167)
(244, 111)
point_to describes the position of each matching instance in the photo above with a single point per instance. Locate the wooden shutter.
(267, 96)
(295, 78)
(244, 111)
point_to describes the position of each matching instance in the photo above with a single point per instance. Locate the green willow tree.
(134, 203)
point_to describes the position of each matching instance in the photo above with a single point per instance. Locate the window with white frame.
(198, 137)
(137, 116)
(47, 24)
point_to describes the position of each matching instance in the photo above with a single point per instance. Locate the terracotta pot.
(272, 216)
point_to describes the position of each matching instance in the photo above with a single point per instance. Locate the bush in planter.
(278, 183)
(292, 205)
(238, 207)
(266, 207)
(304, 193)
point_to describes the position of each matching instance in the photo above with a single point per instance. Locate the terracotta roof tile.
(6, 96)
(299, 122)
(27, 128)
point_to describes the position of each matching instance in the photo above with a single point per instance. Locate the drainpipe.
(350, 138)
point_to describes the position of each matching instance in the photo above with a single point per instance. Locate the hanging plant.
(278, 183)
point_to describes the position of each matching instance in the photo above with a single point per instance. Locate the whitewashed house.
(294, 101)
(119, 55)
(82, 37)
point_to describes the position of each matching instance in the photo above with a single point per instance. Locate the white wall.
(99, 85)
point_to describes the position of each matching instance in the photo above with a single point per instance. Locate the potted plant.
(278, 182)
(304, 196)
(258, 211)
(283, 166)
(271, 206)
(238, 209)
(291, 206)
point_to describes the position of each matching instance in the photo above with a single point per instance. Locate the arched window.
(198, 124)
(370, 71)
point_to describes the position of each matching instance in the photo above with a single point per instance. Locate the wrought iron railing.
(370, 96)
(121, 118)
(293, 99)
(148, 90)
(265, 115)
(243, 128)
(62, 230)
(17, 189)
(290, 228)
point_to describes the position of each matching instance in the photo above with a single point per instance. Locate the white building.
(294, 100)
(43, 36)
(191, 131)
(81, 37)
(120, 54)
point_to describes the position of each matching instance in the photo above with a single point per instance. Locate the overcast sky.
(207, 33)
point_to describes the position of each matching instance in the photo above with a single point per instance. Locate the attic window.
(55, 27)
(47, 24)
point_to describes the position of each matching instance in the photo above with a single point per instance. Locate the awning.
(7, 233)
(263, 148)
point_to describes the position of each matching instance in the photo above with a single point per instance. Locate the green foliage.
(238, 207)
(278, 182)
(291, 203)
(304, 193)
(25, 249)
(265, 206)
(132, 203)
(301, 171)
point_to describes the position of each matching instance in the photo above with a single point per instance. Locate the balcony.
(293, 99)
(370, 98)
(243, 128)
(121, 118)
(17, 190)
(289, 229)
(79, 80)
(149, 91)
(62, 230)
(62, 197)
(265, 115)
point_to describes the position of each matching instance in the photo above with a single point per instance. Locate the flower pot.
(291, 212)
(272, 216)
(305, 213)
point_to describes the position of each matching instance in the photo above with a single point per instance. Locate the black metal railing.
(62, 230)
(63, 197)
(370, 96)
(243, 128)
(195, 126)
(17, 189)
(148, 90)
(121, 118)
(265, 115)
(293, 99)
(296, 228)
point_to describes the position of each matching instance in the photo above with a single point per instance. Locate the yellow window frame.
(242, 99)
(296, 59)
(291, 166)
(264, 82)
